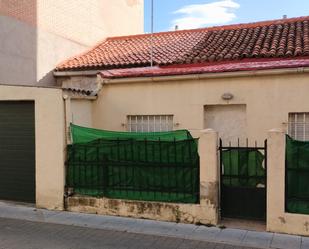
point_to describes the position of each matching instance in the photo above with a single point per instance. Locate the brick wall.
(23, 10)
(36, 35)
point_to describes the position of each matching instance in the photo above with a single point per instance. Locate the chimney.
(284, 17)
(176, 27)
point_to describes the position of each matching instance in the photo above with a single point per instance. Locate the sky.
(190, 14)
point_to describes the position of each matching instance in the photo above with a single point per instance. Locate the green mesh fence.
(136, 169)
(243, 181)
(83, 134)
(297, 176)
(243, 167)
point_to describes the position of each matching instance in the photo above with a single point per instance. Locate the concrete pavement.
(21, 234)
(161, 231)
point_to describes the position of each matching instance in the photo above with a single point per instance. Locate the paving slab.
(286, 241)
(304, 243)
(155, 227)
(258, 239)
(232, 235)
(76, 220)
(25, 213)
(240, 238)
(205, 233)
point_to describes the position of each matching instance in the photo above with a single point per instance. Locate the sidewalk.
(237, 237)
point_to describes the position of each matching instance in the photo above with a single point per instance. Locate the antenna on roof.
(151, 36)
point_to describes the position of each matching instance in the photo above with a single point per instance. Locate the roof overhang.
(243, 68)
(76, 73)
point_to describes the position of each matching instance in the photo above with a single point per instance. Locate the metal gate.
(243, 181)
(17, 151)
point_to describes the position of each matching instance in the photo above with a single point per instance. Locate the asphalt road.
(37, 235)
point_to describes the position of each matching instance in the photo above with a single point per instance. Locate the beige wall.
(217, 116)
(268, 101)
(277, 219)
(81, 110)
(36, 35)
(89, 21)
(49, 141)
(17, 52)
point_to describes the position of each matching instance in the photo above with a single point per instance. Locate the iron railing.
(297, 176)
(243, 185)
(139, 170)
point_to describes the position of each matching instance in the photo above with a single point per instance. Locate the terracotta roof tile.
(270, 39)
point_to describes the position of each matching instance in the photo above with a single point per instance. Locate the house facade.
(240, 80)
(38, 34)
(235, 83)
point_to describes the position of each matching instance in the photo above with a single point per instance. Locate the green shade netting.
(297, 170)
(83, 134)
(243, 167)
(136, 169)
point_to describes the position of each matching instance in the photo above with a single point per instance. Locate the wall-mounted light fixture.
(227, 96)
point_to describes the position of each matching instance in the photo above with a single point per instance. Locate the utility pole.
(151, 36)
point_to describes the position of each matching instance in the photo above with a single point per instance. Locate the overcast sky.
(188, 14)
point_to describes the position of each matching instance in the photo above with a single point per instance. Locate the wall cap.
(208, 131)
(276, 130)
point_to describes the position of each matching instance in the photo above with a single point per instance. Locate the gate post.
(209, 175)
(275, 180)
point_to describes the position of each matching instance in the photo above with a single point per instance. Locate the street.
(23, 234)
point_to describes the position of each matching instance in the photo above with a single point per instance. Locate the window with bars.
(298, 126)
(150, 123)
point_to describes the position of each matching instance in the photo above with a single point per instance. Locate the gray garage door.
(17, 151)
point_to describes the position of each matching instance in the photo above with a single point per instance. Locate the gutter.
(76, 73)
(84, 97)
(205, 76)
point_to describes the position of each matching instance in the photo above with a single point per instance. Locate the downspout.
(67, 111)
(68, 117)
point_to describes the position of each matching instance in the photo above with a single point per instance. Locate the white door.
(228, 120)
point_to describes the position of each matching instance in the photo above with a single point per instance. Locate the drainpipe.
(68, 117)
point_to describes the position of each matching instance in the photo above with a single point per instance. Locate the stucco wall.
(90, 21)
(49, 141)
(278, 220)
(17, 52)
(268, 101)
(81, 110)
(36, 35)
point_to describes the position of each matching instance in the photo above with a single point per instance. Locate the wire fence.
(146, 170)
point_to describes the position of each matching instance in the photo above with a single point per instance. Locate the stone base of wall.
(203, 213)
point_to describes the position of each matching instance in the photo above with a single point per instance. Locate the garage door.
(17, 151)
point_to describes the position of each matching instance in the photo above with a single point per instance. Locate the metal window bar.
(298, 126)
(149, 123)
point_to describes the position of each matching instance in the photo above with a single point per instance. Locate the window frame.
(142, 122)
(298, 125)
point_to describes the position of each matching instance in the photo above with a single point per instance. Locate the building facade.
(38, 34)
(240, 80)
(245, 84)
